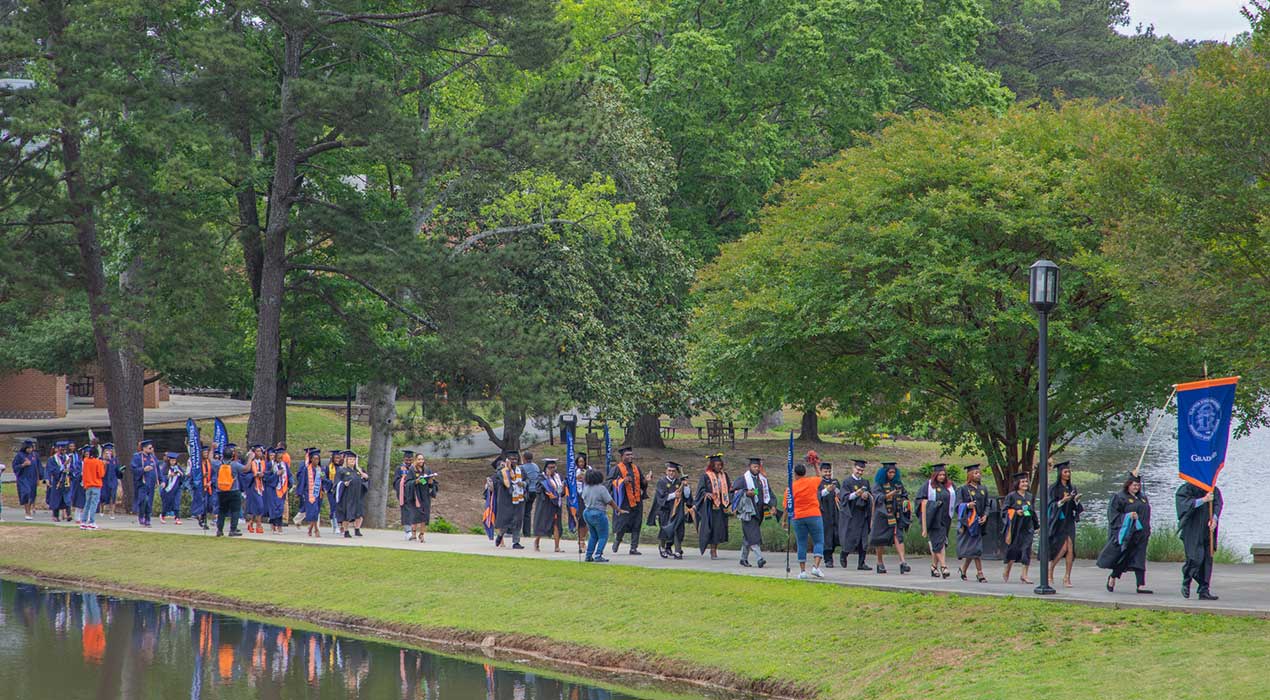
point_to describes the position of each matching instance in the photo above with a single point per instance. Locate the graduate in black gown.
(751, 502)
(891, 515)
(936, 506)
(1019, 525)
(853, 516)
(828, 497)
(509, 492)
(629, 485)
(549, 505)
(351, 497)
(1198, 511)
(972, 513)
(1064, 512)
(711, 506)
(1128, 532)
(672, 499)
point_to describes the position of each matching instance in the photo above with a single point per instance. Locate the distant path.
(476, 445)
(1244, 588)
(176, 410)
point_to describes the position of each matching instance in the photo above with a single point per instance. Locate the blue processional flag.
(220, 436)
(789, 472)
(193, 443)
(1203, 429)
(571, 478)
(608, 450)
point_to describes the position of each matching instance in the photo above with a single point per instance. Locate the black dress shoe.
(1205, 595)
(881, 569)
(862, 567)
(1111, 584)
(1186, 590)
(1145, 591)
(828, 562)
(679, 555)
(348, 535)
(358, 532)
(518, 546)
(762, 563)
(498, 541)
(745, 563)
(665, 553)
(636, 552)
(905, 568)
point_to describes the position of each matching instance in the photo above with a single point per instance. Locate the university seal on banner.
(1204, 419)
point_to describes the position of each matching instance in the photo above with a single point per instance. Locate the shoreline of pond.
(611, 668)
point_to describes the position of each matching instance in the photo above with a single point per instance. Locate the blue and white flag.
(789, 473)
(1203, 429)
(193, 444)
(608, 449)
(220, 436)
(571, 477)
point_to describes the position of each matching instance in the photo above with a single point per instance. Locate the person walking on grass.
(595, 500)
(806, 520)
(93, 474)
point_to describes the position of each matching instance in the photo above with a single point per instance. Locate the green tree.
(1189, 215)
(748, 94)
(899, 271)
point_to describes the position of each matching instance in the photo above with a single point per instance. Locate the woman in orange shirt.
(805, 516)
(93, 473)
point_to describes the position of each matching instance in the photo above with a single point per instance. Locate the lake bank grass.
(822, 641)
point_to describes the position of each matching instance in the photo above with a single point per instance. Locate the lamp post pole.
(1043, 295)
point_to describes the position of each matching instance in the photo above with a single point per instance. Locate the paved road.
(176, 410)
(478, 444)
(1244, 589)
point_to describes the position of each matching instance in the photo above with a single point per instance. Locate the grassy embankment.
(829, 641)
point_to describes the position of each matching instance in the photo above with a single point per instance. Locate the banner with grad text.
(1203, 429)
(193, 443)
(571, 477)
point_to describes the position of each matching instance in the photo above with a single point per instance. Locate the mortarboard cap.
(938, 467)
(860, 462)
(549, 460)
(579, 454)
(348, 453)
(674, 465)
(826, 465)
(408, 453)
(172, 455)
(1060, 465)
(624, 449)
(28, 443)
(970, 468)
(1019, 477)
(108, 446)
(888, 465)
(231, 446)
(756, 460)
(717, 456)
(61, 443)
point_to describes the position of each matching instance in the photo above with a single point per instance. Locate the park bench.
(717, 433)
(1261, 554)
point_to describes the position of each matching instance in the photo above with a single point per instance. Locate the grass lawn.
(838, 642)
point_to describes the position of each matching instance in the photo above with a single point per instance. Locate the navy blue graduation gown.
(310, 483)
(57, 473)
(170, 480)
(110, 481)
(26, 471)
(79, 496)
(144, 482)
(277, 485)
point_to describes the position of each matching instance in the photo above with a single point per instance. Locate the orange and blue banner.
(1203, 429)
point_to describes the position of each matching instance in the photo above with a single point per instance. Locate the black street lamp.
(1043, 296)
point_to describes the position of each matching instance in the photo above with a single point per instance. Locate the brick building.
(31, 394)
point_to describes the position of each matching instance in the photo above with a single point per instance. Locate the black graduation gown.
(667, 512)
(352, 497)
(1132, 552)
(1062, 525)
(752, 529)
(712, 520)
(1192, 522)
(891, 515)
(1019, 526)
(829, 512)
(938, 521)
(547, 511)
(853, 516)
(972, 504)
(631, 516)
(510, 514)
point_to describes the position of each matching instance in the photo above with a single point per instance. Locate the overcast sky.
(1190, 19)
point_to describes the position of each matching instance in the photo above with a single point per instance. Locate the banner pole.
(1158, 420)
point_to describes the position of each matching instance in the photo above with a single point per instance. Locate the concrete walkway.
(1243, 589)
(176, 410)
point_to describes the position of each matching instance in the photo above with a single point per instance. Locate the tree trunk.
(646, 432)
(382, 397)
(119, 372)
(274, 271)
(810, 429)
(513, 427)
(280, 407)
(683, 422)
(770, 420)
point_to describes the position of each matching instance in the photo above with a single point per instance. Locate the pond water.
(67, 645)
(1247, 469)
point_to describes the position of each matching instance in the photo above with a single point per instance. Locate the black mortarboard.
(1060, 465)
(202, 445)
(407, 453)
(939, 467)
(311, 450)
(756, 460)
(624, 449)
(674, 465)
(348, 453)
(144, 443)
(257, 447)
(495, 462)
(579, 454)
(1018, 477)
(888, 465)
(549, 460)
(336, 452)
(716, 456)
(860, 462)
(230, 446)
(970, 468)
(275, 451)
(825, 465)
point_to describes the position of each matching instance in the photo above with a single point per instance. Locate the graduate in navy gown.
(26, 472)
(78, 494)
(200, 480)
(254, 489)
(57, 474)
(110, 480)
(310, 483)
(277, 486)
(171, 479)
(145, 480)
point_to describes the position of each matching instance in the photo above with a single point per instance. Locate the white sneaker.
(815, 571)
(27, 517)
(802, 575)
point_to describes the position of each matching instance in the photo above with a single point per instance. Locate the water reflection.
(60, 645)
(1111, 457)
